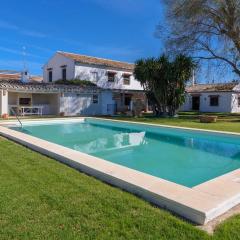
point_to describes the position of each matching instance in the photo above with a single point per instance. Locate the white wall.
(187, 106)
(234, 104)
(73, 104)
(55, 63)
(3, 102)
(226, 102)
(225, 99)
(86, 72)
(70, 103)
(107, 103)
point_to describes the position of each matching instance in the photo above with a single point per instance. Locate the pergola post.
(3, 102)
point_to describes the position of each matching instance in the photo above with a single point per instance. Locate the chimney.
(25, 76)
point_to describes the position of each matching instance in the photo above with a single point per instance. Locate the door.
(127, 100)
(196, 103)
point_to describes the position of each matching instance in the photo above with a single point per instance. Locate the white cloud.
(35, 67)
(33, 34)
(42, 49)
(126, 6)
(7, 25)
(20, 44)
(122, 52)
(17, 52)
(27, 32)
(9, 50)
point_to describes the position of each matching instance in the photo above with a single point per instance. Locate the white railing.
(17, 117)
(33, 110)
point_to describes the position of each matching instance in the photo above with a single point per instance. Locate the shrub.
(77, 82)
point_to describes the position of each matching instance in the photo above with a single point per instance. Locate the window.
(64, 74)
(126, 79)
(95, 76)
(25, 101)
(50, 76)
(111, 76)
(95, 99)
(214, 101)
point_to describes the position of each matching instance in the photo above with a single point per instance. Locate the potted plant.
(5, 116)
(208, 119)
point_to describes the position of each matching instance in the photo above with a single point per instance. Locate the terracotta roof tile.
(10, 76)
(37, 87)
(36, 78)
(98, 61)
(17, 77)
(221, 87)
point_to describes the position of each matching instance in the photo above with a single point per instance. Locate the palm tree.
(164, 81)
(180, 73)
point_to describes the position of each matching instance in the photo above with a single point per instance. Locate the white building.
(114, 90)
(36, 97)
(224, 97)
(106, 74)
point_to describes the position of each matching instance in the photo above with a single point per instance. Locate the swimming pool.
(185, 157)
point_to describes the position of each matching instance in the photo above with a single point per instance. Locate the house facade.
(106, 74)
(114, 90)
(224, 97)
(33, 97)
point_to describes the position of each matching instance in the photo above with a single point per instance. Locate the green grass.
(225, 122)
(43, 199)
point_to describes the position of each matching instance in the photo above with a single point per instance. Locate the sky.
(115, 29)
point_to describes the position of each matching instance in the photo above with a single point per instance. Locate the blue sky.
(116, 29)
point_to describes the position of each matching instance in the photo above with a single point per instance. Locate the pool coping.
(13, 121)
(199, 204)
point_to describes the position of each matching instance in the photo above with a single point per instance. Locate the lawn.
(43, 199)
(226, 122)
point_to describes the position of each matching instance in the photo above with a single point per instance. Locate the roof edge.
(106, 59)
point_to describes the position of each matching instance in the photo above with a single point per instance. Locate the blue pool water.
(185, 157)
